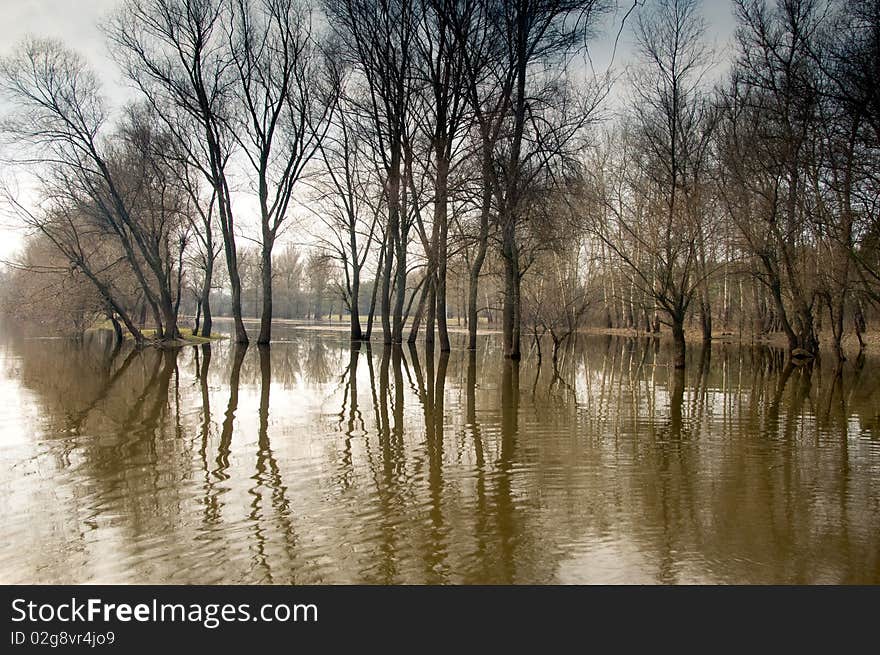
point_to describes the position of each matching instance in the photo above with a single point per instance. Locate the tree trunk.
(117, 329)
(227, 222)
(179, 294)
(400, 291)
(207, 319)
(380, 270)
(266, 285)
(400, 252)
(678, 344)
(510, 213)
(482, 247)
(170, 318)
(472, 317)
(417, 317)
(386, 290)
(241, 336)
(511, 320)
(776, 293)
(557, 342)
(835, 310)
(537, 339)
(157, 318)
(441, 219)
(354, 312)
(706, 317)
(198, 316)
(806, 337)
(859, 323)
(430, 307)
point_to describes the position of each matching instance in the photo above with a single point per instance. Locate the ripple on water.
(163, 471)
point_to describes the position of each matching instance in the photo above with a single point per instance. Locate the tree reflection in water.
(335, 462)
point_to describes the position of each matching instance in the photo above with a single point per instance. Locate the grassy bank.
(187, 337)
(186, 334)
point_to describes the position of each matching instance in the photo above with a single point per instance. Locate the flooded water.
(316, 461)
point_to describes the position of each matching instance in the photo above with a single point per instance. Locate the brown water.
(316, 462)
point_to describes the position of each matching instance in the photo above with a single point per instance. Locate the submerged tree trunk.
(678, 343)
(511, 320)
(430, 306)
(380, 271)
(198, 316)
(705, 297)
(386, 289)
(472, 314)
(207, 319)
(355, 332)
(266, 286)
(205, 304)
(241, 336)
(859, 323)
(706, 317)
(229, 248)
(417, 317)
(775, 285)
(835, 310)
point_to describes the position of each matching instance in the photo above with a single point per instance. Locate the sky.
(76, 23)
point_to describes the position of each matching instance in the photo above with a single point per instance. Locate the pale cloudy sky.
(76, 23)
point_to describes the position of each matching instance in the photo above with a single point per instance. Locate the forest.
(416, 167)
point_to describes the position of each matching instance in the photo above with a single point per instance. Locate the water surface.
(319, 461)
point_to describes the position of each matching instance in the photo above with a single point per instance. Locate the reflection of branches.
(503, 500)
(211, 514)
(431, 390)
(386, 484)
(268, 474)
(317, 367)
(557, 380)
(353, 415)
(76, 421)
(135, 409)
(223, 450)
(701, 390)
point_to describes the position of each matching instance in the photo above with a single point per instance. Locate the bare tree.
(557, 297)
(349, 201)
(102, 176)
(176, 53)
(657, 193)
(843, 175)
(43, 288)
(773, 100)
(379, 38)
(441, 117)
(286, 105)
(528, 33)
(200, 212)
